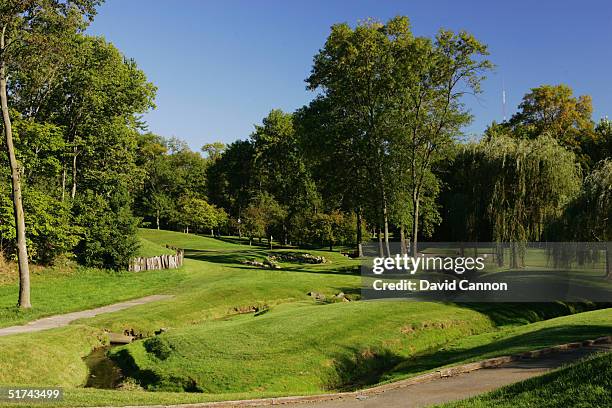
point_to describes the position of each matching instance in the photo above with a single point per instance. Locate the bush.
(158, 347)
(107, 230)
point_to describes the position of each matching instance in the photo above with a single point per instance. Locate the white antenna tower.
(503, 99)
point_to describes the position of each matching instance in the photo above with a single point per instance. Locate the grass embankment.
(149, 249)
(584, 384)
(298, 346)
(68, 288)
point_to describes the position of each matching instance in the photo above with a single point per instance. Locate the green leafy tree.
(279, 168)
(213, 150)
(229, 178)
(520, 187)
(199, 215)
(107, 230)
(555, 111)
(31, 32)
(433, 76)
(264, 216)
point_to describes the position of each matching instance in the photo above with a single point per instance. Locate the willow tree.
(589, 218)
(30, 32)
(529, 183)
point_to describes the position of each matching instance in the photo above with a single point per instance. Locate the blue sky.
(221, 66)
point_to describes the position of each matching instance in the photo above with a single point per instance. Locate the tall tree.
(354, 72)
(31, 29)
(432, 78)
(554, 110)
(279, 168)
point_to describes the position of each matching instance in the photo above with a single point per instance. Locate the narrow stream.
(103, 372)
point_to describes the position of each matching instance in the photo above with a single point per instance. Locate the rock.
(316, 295)
(298, 257)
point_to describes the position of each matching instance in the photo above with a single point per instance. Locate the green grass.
(506, 341)
(50, 357)
(297, 346)
(302, 348)
(149, 249)
(584, 384)
(55, 292)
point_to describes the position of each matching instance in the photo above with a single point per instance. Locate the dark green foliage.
(50, 232)
(229, 177)
(77, 146)
(589, 216)
(107, 230)
(508, 189)
(159, 347)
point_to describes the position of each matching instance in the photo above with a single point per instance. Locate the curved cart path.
(462, 386)
(62, 320)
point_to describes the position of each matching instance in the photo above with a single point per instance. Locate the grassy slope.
(306, 348)
(61, 290)
(509, 340)
(83, 288)
(149, 249)
(33, 358)
(585, 384)
(213, 283)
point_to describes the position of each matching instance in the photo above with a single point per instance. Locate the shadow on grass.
(236, 258)
(524, 342)
(356, 369)
(222, 257)
(503, 314)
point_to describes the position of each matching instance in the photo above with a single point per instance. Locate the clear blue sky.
(220, 66)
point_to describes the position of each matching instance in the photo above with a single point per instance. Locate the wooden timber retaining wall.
(166, 261)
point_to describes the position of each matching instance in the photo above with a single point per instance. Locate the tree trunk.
(74, 172)
(63, 180)
(386, 224)
(212, 232)
(513, 255)
(403, 248)
(22, 250)
(415, 222)
(609, 260)
(359, 235)
(270, 239)
(157, 218)
(381, 251)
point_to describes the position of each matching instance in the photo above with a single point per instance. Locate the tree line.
(377, 153)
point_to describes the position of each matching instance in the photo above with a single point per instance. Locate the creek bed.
(103, 372)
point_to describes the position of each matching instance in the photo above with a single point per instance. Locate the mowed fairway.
(294, 344)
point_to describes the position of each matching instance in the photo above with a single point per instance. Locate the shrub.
(158, 347)
(107, 230)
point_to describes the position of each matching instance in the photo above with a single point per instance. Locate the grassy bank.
(68, 288)
(585, 384)
(293, 344)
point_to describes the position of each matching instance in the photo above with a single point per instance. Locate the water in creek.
(103, 372)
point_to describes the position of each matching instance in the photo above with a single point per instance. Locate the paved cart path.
(62, 320)
(459, 387)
